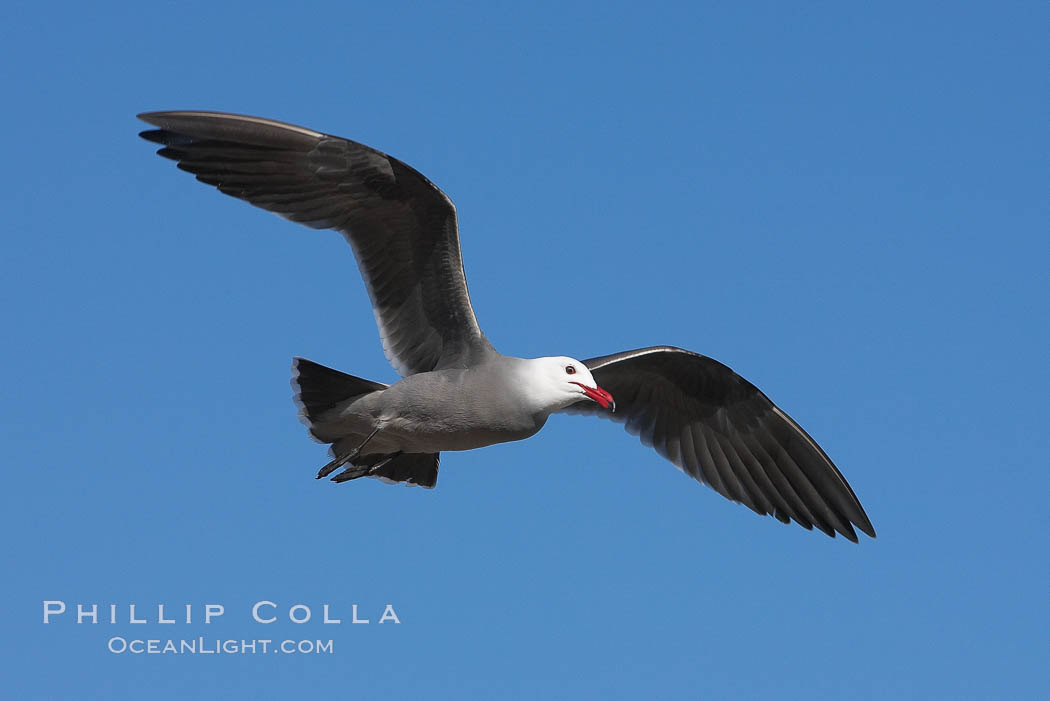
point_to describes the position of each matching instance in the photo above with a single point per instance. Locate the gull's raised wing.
(402, 228)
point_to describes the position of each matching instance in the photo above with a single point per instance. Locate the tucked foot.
(337, 463)
(355, 471)
(351, 473)
(344, 459)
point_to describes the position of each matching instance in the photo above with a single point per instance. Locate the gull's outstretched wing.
(719, 428)
(402, 228)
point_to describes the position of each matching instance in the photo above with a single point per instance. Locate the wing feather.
(402, 228)
(720, 429)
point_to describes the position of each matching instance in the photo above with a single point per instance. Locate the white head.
(555, 383)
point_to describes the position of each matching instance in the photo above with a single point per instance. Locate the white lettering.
(255, 611)
(82, 614)
(389, 615)
(353, 608)
(213, 611)
(327, 619)
(291, 613)
(123, 644)
(160, 615)
(50, 609)
(132, 619)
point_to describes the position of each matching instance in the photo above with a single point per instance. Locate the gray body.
(431, 412)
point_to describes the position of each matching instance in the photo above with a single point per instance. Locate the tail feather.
(319, 389)
(420, 469)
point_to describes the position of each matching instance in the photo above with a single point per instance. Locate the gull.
(457, 392)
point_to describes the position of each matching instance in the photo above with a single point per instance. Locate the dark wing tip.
(849, 534)
(160, 136)
(150, 117)
(866, 528)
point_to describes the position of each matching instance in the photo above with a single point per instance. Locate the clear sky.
(846, 203)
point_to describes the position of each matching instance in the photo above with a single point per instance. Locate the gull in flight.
(457, 392)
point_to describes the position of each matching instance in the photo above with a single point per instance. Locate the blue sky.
(845, 204)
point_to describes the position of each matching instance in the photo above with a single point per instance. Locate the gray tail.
(319, 389)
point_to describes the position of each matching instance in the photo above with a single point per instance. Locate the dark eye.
(570, 370)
